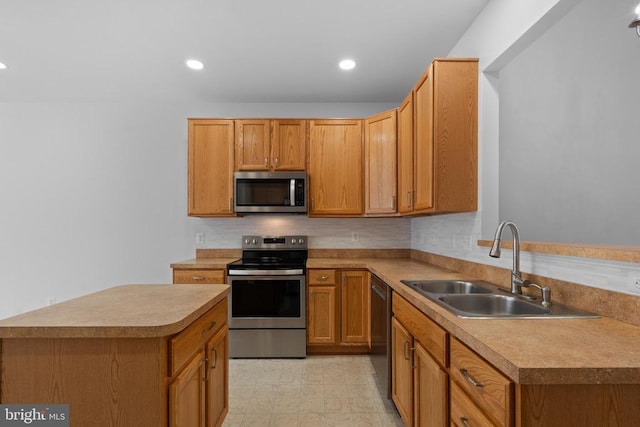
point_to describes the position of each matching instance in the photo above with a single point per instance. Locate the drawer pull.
(464, 421)
(470, 379)
(198, 278)
(211, 325)
(322, 277)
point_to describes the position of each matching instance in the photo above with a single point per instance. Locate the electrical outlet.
(199, 238)
(51, 300)
(636, 283)
(355, 236)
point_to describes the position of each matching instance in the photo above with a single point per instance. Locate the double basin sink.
(482, 300)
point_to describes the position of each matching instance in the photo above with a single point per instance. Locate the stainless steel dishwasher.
(381, 334)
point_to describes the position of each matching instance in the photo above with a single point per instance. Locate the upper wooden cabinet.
(380, 164)
(262, 145)
(335, 168)
(405, 155)
(210, 176)
(445, 143)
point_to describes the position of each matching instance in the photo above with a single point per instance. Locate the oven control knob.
(301, 241)
(254, 241)
(246, 241)
(293, 241)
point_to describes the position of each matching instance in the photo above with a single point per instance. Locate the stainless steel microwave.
(270, 192)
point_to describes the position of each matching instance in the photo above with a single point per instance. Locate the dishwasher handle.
(377, 290)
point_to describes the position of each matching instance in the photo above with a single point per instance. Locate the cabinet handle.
(470, 379)
(206, 371)
(197, 278)
(215, 357)
(276, 162)
(230, 203)
(266, 162)
(464, 421)
(322, 277)
(211, 325)
(393, 202)
(409, 198)
(405, 350)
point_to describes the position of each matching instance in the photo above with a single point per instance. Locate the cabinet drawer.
(322, 277)
(199, 276)
(186, 343)
(483, 383)
(432, 337)
(464, 413)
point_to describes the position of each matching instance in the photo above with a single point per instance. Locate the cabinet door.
(321, 317)
(430, 390)
(335, 167)
(217, 378)
(380, 164)
(187, 395)
(423, 162)
(210, 167)
(253, 145)
(289, 144)
(402, 371)
(354, 307)
(405, 155)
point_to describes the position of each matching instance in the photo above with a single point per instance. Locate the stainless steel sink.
(483, 300)
(493, 305)
(449, 286)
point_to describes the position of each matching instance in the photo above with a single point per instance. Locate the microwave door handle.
(292, 192)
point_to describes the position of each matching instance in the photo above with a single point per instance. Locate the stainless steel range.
(267, 316)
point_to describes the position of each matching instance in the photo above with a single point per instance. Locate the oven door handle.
(292, 272)
(292, 192)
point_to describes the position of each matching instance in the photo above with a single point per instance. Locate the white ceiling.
(253, 50)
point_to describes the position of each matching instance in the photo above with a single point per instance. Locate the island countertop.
(127, 311)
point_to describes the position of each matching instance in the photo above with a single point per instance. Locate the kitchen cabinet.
(187, 275)
(338, 311)
(380, 152)
(445, 125)
(335, 168)
(264, 145)
(419, 379)
(210, 168)
(143, 355)
(198, 393)
(405, 155)
(481, 389)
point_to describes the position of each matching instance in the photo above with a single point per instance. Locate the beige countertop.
(128, 311)
(529, 351)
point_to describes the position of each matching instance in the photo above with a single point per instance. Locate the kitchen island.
(132, 355)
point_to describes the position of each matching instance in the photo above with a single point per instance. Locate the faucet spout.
(516, 278)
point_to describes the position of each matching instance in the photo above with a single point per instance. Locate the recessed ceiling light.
(347, 64)
(194, 64)
(3, 66)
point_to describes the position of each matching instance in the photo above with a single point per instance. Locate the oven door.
(267, 302)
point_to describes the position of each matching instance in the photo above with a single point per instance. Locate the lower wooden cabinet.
(198, 392)
(337, 311)
(419, 383)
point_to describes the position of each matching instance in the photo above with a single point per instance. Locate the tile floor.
(317, 391)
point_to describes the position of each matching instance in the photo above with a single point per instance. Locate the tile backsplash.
(324, 233)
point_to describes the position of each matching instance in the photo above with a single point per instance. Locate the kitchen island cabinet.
(129, 356)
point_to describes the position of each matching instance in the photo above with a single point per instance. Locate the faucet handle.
(546, 293)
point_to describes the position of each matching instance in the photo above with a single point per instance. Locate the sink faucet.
(517, 283)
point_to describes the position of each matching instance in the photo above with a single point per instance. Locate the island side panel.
(106, 381)
(568, 405)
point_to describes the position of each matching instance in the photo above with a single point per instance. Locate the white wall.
(94, 195)
(502, 31)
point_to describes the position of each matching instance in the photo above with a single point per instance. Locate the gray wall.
(569, 121)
